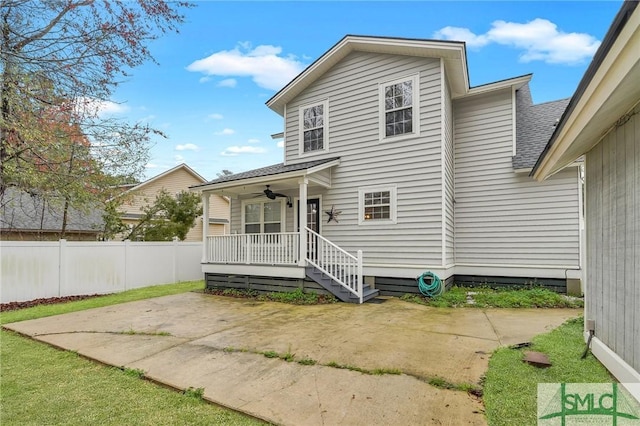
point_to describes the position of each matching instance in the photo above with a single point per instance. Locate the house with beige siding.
(395, 166)
(602, 123)
(174, 181)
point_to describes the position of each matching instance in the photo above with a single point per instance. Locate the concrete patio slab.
(198, 340)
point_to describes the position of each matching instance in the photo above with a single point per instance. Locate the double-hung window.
(399, 108)
(313, 127)
(377, 205)
(262, 217)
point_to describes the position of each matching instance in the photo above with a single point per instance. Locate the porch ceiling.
(275, 184)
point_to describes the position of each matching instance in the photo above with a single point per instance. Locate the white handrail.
(254, 249)
(343, 267)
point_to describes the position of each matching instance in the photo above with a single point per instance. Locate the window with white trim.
(262, 217)
(313, 127)
(399, 108)
(377, 205)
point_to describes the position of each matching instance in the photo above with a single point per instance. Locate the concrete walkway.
(203, 341)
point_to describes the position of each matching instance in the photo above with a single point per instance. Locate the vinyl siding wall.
(173, 183)
(413, 165)
(504, 218)
(613, 240)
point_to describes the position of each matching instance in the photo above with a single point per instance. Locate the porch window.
(313, 125)
(377, 205)
(399, 108)
(262, 217)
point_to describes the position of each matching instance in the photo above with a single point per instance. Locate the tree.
(167, 218)
(60, 61)
(223, 173)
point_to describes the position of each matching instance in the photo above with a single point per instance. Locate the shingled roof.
(274, 169)
(534, 126)
(21, 211)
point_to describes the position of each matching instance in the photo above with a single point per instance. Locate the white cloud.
(151, 166)
(178, 158)
(96, 107)
(228, 82)
(280, 144)
(461, 34)
(225, 131)
(236, 150)
(253, 140)
(204, 79)
(264, 64)
(215, 116)
(539, 39)
(187, 147)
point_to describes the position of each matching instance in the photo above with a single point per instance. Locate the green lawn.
(42, 385)
(510, 390)
(485, 297)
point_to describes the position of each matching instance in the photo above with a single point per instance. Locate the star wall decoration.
(333, 214)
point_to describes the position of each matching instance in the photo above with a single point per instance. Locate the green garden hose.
(432, 287)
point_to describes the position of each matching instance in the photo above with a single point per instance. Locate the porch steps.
(338, 290)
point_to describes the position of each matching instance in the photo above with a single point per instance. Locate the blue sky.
(208, 92)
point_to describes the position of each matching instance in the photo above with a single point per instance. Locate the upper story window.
(377, 205)
(399, 108)
(262, 217)
(313, 127)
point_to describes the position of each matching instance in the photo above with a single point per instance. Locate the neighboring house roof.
(608, 90)
(21, 211)
(534, 126)
(275, 169)
(132, 188)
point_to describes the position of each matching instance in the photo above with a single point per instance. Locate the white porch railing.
(284, 249)
(254, 249)
(342, 266)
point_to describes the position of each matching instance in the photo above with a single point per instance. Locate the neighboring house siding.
(449, 187)
(502, 217)
(413, 165)
(613, 240)
(174, 183)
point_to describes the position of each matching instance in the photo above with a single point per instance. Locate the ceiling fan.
(273, 195)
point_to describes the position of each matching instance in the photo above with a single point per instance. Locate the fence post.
(126, 264)
(62, 265)
(175, 259)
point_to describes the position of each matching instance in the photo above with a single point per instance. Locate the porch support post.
(302, 214)
(205, 225)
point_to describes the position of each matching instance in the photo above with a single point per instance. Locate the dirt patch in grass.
(12, 306)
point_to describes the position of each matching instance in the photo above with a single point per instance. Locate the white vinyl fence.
(34, 269)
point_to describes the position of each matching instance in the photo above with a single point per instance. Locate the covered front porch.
(276, 230)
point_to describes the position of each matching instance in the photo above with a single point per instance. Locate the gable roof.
(534, 126)
(452, 52)
(608, 90)
(131, 188)
(272, 170)
(21, 211)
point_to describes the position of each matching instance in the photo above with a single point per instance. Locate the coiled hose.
(429, 284)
